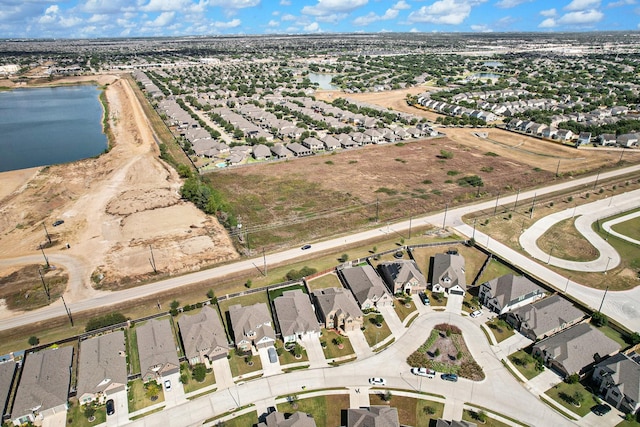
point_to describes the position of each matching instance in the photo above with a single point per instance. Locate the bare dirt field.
(526, 149)
(117, 208)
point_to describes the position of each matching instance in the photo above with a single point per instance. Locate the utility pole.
(596, 181)
(45, 257)
(264, 260)
(410, 226)
(67, 310)
(558, 168)
(46, 232)
(603, 296)
(473, 236)
(515, 205)
(495, 209)
(446, 208)
(532, 205)
(377, 210)
(621, 154)
(44, 285)
(152, 260)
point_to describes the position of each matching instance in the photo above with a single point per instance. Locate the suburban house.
(203, 336)
(403, 276)
(374, 416)
(102, 367)
(261, 152)
(507, 292)
(338, 309)
(157, 350)
(575, 349)
(444, 423)
(544, 317)
(295, 315)
(366, 286)
(297, 419)
(447, 274)
(583, 138)
(251, 326)
(7, 373)
(618, 380)
(44, 385)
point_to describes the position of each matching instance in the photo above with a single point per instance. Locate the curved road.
(626, 312)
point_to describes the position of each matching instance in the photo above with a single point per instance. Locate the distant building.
(544, 317)
(374, 416)
(297, 419)
(618, 380)
(508, 292)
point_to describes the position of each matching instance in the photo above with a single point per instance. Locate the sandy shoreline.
(14, 180)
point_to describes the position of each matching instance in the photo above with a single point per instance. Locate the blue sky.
(135, 18)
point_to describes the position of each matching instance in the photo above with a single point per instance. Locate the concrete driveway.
(222, 372)
(314, 352)
(121, 405)
(360, 344)
(56, 420)
(392, 319)
(268, 367)
(175, 395)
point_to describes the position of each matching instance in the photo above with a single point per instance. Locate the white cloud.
(548, 23)
(548, 12)
(415, 30)
(448, 12)
(333, 18)
(234, 4)
(288, 17)
(273, 23)
(582, 4)
(329, 7)
(285, 2)
(50, 15)
(372, 17)
(621, 3)
(481, 28)
(583, 17)
(162, 20)
(99, 17)
(312, 28)
(401, 5)
(507, 4)
(220, 25)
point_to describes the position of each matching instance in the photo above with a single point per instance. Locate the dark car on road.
(305, 247)
(58, 222)
(601, 409)
(449, 377)
(111, 408)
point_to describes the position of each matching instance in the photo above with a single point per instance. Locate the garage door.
(455, 292)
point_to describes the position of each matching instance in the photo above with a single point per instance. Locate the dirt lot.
(115, 207)
(533, 152)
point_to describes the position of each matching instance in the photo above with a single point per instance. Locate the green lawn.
(614, 335)
(244, 301)
(275, 293)
(500, 329)
(287, 357)
(193, 385)
(240, 367)
(436, 299)
(246, 420)
(526, 365)
(76, 415)
(326, 410)
(625, 423)
(403, 311)
(137, 398)
(331, 351)
(372, 333)
(327, 281)
(563, 389)
(490, 422)
(412, 411)
(132, 350)
(630, 228)
(494, 269)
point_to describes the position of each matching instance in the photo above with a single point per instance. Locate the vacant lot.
(318, 196)
(25, 289)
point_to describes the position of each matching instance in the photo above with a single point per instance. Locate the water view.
(45, 126)
(323, 80)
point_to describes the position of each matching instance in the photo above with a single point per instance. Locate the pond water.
(494, 64)
(45, 126)
(323, 80)
(486, 76)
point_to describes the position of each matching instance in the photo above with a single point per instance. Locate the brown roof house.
(373, 416)
(576, 349)
(544, 317)
(157, 349)
(252, 325)
(447, 274)
(366, 286)
(7, 373)
(44, 385)
(402, 276)
(297, 419)
(102, 367)
(338, 309)
(508, 292)
(618, 379)
(203, 336)
(296, 317)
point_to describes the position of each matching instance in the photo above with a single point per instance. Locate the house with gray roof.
(367, 287)
(618, 380)
(576, 349)
(44, 385)
(297, 419)
(402, 276)
(261, 152)
(545, 317)
(444, 423)
(447, 274)
(338, 309)
(508, 292)
(157, 349)
(373, 416)
(203, 336)
(281, 152)
(7, 373)
(299, 150)
(251, 326)
(296, 316)
(102, 367)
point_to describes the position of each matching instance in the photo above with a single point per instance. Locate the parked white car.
(424, 372)
(476, 313)
(377, 381)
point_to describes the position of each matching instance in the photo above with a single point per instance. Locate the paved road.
(451, 217)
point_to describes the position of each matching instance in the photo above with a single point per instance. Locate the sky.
(148, 18)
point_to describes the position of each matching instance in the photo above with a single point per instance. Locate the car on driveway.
(424, 372)
(601, 409)
(273, 355)
(449, 377)
(377, 381)
(424, 298)
(305, 247)
(58, 222)
(476, 313)
(111, 407)
(167, 385)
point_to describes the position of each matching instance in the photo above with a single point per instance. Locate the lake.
(45, 126)
(323, 80)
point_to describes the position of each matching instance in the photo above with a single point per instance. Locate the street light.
(550, 252)
(607, 266)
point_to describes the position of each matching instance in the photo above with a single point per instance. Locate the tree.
(152, 390)
(338, 341)
(297, 350)
(437, 352)
(199, 372)
(481, 416)
(249, 359)
(572, 379)
(249, 283)
(429, 410)
(34, 341)
(174, 304)
(89, 411)
(444, 154)
(184, 171)
(599, 319)
(379, 319)
(387, 396)
(344, 258)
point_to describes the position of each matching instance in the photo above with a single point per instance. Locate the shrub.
(89, 411)
(299, 274)
(444, 154)
(199, 372)
(472, 180)
(429, 410)
(444, 327)
(572, 379)
(33, 341)
(599, 319)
